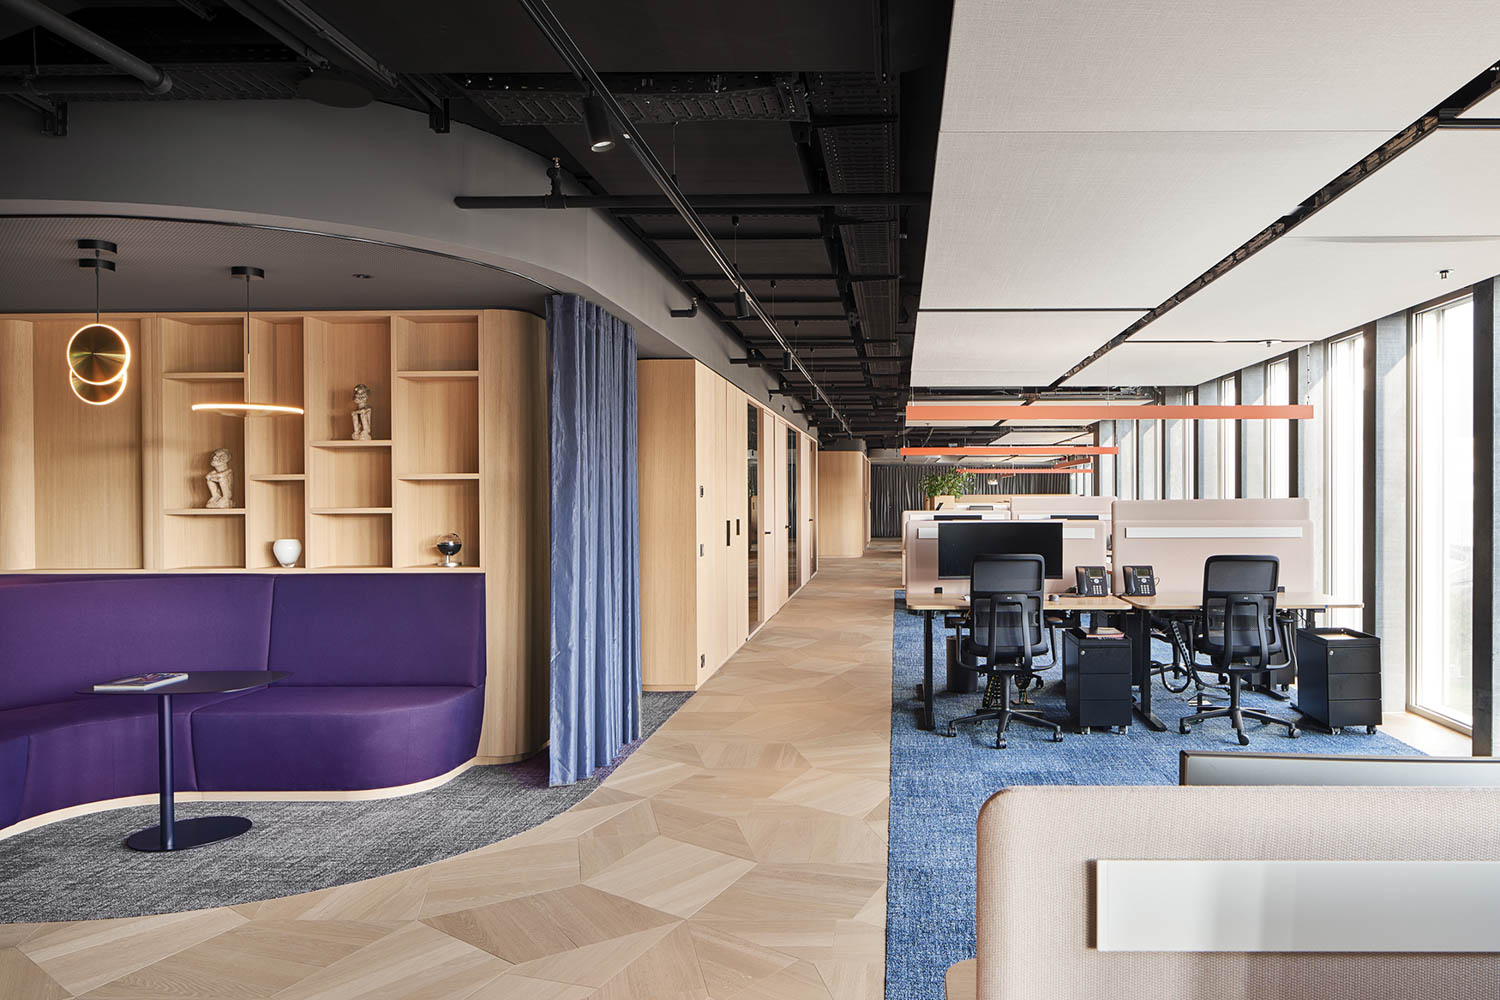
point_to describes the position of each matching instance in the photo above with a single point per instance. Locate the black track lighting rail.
(551, 28)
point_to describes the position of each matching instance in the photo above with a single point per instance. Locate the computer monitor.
(959, 543)
(958, 517)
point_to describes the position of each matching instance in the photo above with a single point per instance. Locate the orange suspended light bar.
(986, 413)
(1073, 462)
(1012, 470)
(1014, 449)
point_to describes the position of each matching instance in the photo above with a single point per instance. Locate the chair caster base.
(1244, 740)
(1293, 732)
(1184, 728)
(1057, 737)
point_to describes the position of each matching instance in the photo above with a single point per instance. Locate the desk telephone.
(1093, 581)
(1139, 582)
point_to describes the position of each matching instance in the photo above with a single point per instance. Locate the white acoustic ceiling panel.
(1006, 348)
(1311, 289)
(1143, 65)
(1158, 363)
(1374, 251)
(1444, 186)
(1046, 437)
(1115, 220)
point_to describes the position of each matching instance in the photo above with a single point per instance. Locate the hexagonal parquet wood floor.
(739, 854)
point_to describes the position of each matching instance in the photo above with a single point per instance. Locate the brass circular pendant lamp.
(246, 408)
(98, 354)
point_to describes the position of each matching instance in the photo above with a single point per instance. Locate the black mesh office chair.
(1004, 634)
(1237, 628)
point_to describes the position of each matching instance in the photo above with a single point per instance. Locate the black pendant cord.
(97, 255)
(551, 28)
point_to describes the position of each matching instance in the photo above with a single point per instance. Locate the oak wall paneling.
(843, 503)
(17, 448)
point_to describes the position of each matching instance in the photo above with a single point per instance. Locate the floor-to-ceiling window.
(1278, 432)
(1440, 601)
(1229, 442)
(1344, 488)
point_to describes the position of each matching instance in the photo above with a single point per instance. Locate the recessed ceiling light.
(362, 277)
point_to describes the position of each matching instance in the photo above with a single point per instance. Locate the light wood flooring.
(739, 854)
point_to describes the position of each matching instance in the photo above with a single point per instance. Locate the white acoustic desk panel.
(1175, 537)
(1298, 906)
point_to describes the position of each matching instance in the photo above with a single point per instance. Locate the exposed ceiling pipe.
(553, 31)
(156, 80)
(648, 202)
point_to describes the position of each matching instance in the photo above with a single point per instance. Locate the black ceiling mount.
(103, 246)
(247, 272)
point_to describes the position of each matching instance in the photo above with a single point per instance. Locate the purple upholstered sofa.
(387, 684)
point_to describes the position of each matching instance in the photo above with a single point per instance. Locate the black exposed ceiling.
(776, 97)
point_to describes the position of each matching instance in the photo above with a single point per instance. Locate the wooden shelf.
(351, 444)
(205, 512)
(351, 510)
(437, 375)
(204, 376)
(280, 477)
(440, 477)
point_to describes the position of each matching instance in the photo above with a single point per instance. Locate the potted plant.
(948, 483)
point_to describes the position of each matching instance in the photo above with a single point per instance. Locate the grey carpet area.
(79, 869)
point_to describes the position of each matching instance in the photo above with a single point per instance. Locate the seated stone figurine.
(220, 481)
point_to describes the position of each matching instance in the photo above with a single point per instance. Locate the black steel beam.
(637, 202)
(551, 28)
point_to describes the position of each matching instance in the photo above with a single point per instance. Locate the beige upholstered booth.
(1040, 847)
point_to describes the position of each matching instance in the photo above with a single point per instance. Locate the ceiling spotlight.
(596, 120)
(741, 304)
(1443, 274)
(786, 361)
(362, 277)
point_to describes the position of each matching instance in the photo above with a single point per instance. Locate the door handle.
(736, 527)
(727, 540)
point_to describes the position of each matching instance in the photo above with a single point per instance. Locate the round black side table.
(169, 835)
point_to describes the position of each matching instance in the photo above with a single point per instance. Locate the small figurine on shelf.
(449, 545)
(220, 481)
(361, 414)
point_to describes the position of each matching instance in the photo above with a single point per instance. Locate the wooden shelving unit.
(460, 422)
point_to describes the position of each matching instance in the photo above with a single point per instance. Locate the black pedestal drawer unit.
(1338, 677)
(1096, 678)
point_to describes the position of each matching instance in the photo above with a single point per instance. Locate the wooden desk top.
(1188, 601)
(1064, 602)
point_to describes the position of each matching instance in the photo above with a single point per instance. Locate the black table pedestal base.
(188, 833)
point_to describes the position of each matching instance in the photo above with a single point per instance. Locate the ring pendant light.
(247, 409)
(98, 354)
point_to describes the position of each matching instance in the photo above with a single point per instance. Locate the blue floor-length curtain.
(596, 566)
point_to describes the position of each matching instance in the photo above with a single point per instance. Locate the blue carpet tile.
(938, 786)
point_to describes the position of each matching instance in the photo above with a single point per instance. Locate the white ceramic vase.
(287, 551)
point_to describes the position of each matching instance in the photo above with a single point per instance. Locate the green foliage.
(949, 483)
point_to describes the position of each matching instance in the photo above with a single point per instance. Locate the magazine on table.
(142, 682)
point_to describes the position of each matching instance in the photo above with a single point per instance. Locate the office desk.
(1184, 600)
(928, 605)
(1306, 603)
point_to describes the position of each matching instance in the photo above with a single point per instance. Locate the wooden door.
(776, 508)
(736, 515)
(709, 538)
(805, 477)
